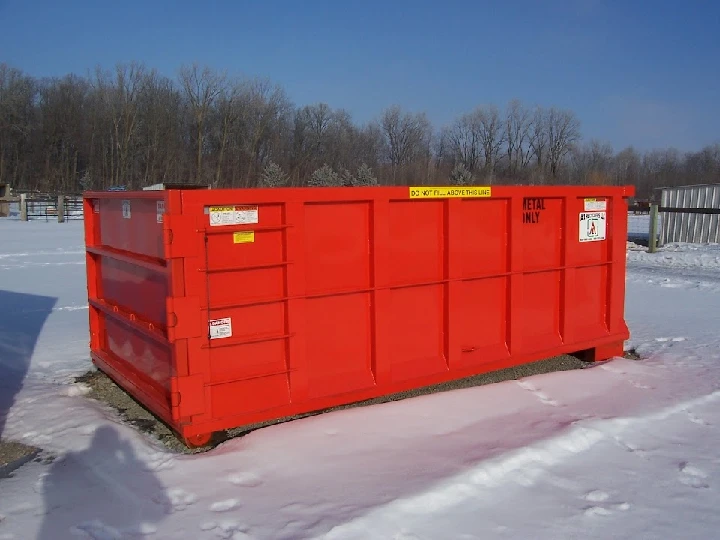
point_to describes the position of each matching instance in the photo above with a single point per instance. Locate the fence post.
(23, 207)
(652, 244)
(61, 209)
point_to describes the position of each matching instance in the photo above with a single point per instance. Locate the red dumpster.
(221, 308)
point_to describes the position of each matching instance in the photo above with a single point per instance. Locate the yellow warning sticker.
(446, 192)
(243, 237)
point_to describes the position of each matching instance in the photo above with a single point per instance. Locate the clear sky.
(642, 73)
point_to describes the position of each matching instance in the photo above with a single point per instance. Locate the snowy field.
(626, 449)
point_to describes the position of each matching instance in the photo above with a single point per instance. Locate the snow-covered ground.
(626, 449)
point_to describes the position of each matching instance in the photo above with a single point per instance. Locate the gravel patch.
(14, 455)
(104, 390)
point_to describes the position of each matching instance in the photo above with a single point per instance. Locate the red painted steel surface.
(309, 298)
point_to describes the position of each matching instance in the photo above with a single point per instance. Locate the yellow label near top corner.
(243, 237)
(447, 192)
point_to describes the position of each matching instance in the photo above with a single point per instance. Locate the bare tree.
(202, 88)
(265, 108)
(312, 126)
(539, 137)
(62, 104)
(17, 94)
(518, 123)
(465, 140)
(627, 167)
(407, 138)
(162, 138)
(492, 136)
(228, 111)
(563, 131)
(122, 96)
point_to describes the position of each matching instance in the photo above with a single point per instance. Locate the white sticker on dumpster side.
(221, 328)
(592, 226)
(126, 209)
(160, 211)
(595, 205)
(233, 215)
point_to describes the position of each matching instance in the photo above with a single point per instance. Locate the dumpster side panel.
(480, 308)
(137, 289)
(541, 235)
(483, 227)
(134, 351)
(336, 257)
(540, 311)
(338, 341)
(131, 225)
(128, 287)
(417, 242)
(337, 247)
(481, 320)
(417, 344)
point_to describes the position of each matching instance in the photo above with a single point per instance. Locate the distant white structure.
(691, 214)
(173, 185)
(154, 187)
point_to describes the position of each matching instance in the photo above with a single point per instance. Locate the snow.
(639, 226)
(625, 449)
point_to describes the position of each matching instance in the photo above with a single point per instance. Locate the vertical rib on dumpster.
(185, 326)
(454, 308)
(294, 253)
(516, 256)
(616, 283)
(92, 269)
(379, 249)
(569, 275)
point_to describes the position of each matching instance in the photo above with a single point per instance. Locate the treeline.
(134, 127)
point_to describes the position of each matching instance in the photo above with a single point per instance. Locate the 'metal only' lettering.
(532, 206)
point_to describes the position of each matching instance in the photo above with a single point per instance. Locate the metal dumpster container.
(221, 308)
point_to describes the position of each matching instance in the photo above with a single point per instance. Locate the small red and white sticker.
(221, 328)
(593, 226)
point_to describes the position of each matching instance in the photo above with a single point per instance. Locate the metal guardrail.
(46, 208)
(42, 208)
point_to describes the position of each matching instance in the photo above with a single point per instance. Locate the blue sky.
(641, 73)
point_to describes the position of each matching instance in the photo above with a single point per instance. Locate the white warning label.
(595, 205)
(126, 209)
(160, 211)
(592, 226)
(233, 215)
(220, 328)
